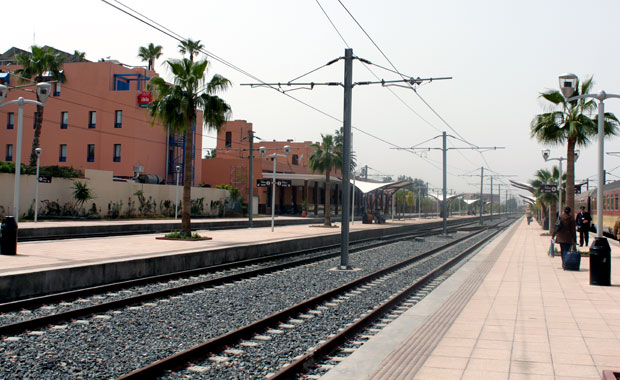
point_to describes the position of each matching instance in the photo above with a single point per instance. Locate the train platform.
(510, 312)
(58, 265)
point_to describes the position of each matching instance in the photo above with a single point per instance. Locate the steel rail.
(34, 302)
(300, 365)
(34, 323)
(199, 352)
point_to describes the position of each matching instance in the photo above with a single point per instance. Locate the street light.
(176, 197)
(43, 91)
(274, 156)
(545, 154)
(36, 185)
(600, 247)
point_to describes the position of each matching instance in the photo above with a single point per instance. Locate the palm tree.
(326, 157)
(39, 65)
(548, 201)
(190, 47)
(80, 54)
(575, 124)
(150, 54)
(175, 106)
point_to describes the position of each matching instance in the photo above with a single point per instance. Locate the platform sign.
(577, 189)
(279, 182)
(548, 189)
(263, 182)
(45, 179)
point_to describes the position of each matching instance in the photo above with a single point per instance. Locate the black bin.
(8, 236)
(600, 262)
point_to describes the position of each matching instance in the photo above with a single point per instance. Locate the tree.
(326, 157)
(176, 106)
(40, 65)
(190, 47)
(573, 123)
(548, 201)
(80, 54)
(149, 54)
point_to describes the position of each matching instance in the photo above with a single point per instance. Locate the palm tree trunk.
(570, 175)
(187, 180)
(328, 221)
(37, 135)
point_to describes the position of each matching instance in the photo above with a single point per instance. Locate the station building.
(94, 121)
(231, 166)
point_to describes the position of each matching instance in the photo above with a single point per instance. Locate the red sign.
(144, 99)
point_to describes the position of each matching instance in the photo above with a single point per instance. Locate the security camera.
(4, 90)
(568, 84)
(262, 150)
(545, 154)
(287, 149)
(38, 151)
(43, 91)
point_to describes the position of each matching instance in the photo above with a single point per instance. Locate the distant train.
(611, 207)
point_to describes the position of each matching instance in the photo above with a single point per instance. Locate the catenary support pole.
(273, 192)
(346, 159)
(445, 185)
(251, 180)
(481, 188)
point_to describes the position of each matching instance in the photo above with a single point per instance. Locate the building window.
(57, 89)
(64, 120)
(295, 159)
(63, 153)
(34, 121)
(9, 152)
(228, 139)
(92, 119)
(118, 119)
(117, 152)
(90, 155)
(10, 120)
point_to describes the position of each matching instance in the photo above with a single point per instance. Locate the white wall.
(104, 188)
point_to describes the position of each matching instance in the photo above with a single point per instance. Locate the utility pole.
(251, 166)
(481, 189)
(346, 159)
(491, 209)
(445, 149)
(366, 173)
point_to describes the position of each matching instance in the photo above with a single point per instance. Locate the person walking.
(617, 229)
(583, 225)
(565, 232)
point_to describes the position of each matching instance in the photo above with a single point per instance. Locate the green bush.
(54, 171)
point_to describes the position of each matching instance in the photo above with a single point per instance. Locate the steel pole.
(273, 192)
(251, 180)
(560, 189)
(445, 185)
(491, 209)
(353, 200)
(176, 198)
(346, 159)
(18, 157)
(36, 190)
(600, 167)
(481, 184)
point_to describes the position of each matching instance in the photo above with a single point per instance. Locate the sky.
(500, 54)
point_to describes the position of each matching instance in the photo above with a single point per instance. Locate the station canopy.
(387, 187)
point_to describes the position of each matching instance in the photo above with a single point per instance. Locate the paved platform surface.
(511, 312)
(54, 254)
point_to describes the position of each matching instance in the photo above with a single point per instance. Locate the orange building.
(231, 166)
(93, 121)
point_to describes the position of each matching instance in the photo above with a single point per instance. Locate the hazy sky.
(501, 55)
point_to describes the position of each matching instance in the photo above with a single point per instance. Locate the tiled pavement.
(525, 318)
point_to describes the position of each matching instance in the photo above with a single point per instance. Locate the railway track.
(219, 356)
(34, 313)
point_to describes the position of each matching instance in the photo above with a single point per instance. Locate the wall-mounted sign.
(267, 182)
(144, 99)
(45, 179)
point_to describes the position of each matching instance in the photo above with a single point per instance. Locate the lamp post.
(287, 150)
(176, 196)
(36, 185)
(600, 251)
(545, 154)
(43, 91)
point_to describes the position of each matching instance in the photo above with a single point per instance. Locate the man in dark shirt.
(583, 221)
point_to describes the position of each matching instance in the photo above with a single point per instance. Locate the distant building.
(94, 121)
(231, 166)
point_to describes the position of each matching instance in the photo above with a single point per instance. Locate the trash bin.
(8, 236)
(600, 262)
